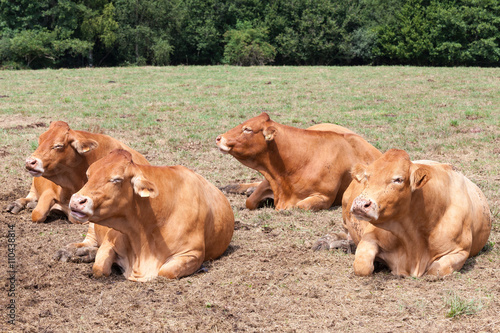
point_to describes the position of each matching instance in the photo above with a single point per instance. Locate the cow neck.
(285, 159)
(106, 145)
(146, 245)
(415, 228)
(143, 240)
(413, 243)
(73, 179)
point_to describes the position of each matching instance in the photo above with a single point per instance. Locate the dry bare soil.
(269, 280)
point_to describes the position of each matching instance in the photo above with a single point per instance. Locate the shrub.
(247, 46)
(162, 50)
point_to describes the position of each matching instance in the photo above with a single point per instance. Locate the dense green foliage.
(248, 46)
(75, 33)
(443, 32)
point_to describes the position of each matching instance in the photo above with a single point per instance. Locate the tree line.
(77, 33)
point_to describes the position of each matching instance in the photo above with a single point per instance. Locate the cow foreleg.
(18, 205)
(104, 259)
(42, 209)
(448, 264)
(80, 252)
(245, 188)
(75, 253)
(181, 265)
(316, 202)
(365, 255)
(262, 193)
(113, 245)
(30, 201)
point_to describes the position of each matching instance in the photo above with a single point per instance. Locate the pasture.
(269, 280)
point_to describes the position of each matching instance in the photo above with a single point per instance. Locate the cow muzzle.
(365, 209)
(81, 207)
(34, 166)
(221, 143)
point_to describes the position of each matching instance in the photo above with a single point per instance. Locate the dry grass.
(269, 279)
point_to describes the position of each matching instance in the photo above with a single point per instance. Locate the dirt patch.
(19, 123)
(268, 280)
(20, 127)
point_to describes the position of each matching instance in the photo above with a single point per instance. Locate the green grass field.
(173, 114)
(448, 114)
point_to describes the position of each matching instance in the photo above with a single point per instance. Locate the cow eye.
(247, 130)
(398, 180)
(116, 180)
(58, 146)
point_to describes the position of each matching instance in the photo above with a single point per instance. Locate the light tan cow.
(308, 169)
(63, 157)
(418, 217)
(173, 217)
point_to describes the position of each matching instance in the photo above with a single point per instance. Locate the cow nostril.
(367, 204)
(32, 162)
(82, 201)
(217, 139)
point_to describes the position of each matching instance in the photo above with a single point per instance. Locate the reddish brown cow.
(173, 217)
(418, 217)
(260, 192)
(308, 169)
(63, 157)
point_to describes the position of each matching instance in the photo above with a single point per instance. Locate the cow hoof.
(61, 255)
(97, 273)
(14, 207)
(202, 269)
(76, 255)
(329, 242)
(230, 189)
(85, 254)
(31, 205)
(236, 189)
(250, 191)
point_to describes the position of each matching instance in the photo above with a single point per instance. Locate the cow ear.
(144, 187)
(85, 146)
(82, 144)
(269, 133)
(419, 178)
(358, 171)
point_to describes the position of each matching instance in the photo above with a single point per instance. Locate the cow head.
(249, 139)
(388, 184)
(59, 148)
(112, 183)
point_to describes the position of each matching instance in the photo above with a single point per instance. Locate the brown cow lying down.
(48, 161)
(62, 157)
(260, 192)
(308, 169)
(418, 217)
(173, 217)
